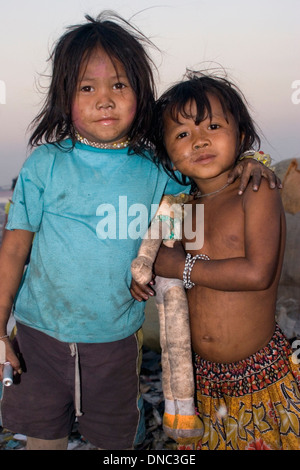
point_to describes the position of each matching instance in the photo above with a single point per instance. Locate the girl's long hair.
(122, 42)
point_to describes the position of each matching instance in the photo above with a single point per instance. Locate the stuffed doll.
(180, 421)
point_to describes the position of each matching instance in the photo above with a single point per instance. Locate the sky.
(256, 42)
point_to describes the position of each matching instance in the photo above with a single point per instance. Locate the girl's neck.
(211, 186)
(101, 145)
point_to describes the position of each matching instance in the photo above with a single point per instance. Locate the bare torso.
(227, 326)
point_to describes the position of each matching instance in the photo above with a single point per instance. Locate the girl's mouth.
(106, 121)
(204, 158)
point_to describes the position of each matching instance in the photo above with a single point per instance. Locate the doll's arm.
(141, 267)
(162, 228)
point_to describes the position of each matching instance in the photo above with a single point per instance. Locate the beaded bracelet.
(260, 156)
(4, 336)
(189, 264)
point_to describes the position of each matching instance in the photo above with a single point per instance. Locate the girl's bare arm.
(254, 271)
(13, 254)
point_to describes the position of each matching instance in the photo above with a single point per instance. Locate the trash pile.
(288, 317)
(151, 389)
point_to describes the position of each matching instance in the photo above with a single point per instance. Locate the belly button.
(206, 338)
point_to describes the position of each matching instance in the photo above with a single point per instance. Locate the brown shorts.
(42, 405)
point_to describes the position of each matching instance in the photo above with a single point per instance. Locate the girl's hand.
(170, 261)
(12, 358)
(141, 292)
(248, 168)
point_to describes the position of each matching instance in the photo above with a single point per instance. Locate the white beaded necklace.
(99, 145)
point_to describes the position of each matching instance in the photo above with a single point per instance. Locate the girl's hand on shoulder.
(250, 168)
(170, 261)
(141, 292)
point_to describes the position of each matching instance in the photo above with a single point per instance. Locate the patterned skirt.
(252, 404)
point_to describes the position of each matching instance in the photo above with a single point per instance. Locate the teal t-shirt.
(89, 209)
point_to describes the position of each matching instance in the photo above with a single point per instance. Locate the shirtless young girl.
(247, 391)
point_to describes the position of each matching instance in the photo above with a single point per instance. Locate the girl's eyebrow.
(114, 77)
(217, 115)
(176, 123)
(87, 79)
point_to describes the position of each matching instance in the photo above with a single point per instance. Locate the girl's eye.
(119, 86)
(87, 88)
(182, 135)
(213, 127)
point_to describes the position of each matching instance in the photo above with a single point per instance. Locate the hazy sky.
(257, 42)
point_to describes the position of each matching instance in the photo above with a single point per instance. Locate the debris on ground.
(151, 389)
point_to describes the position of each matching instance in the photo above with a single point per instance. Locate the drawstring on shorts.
(74, 352)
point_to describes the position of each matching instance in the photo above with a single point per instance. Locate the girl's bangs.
(180, 105)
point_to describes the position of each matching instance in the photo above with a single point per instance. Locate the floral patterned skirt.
(253, 404)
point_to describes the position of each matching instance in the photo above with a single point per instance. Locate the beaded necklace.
(198, 194)
(99, 145)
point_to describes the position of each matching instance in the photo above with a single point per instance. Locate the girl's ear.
(240, 142)
(242, 137)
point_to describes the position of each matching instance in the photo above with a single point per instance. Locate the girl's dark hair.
(196, 87)
(121, 41)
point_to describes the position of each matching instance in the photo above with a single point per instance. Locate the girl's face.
(202, 151)
(104, 104)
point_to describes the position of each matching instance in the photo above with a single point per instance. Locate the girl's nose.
(104, 101)
(101, 104)
(201, 140)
